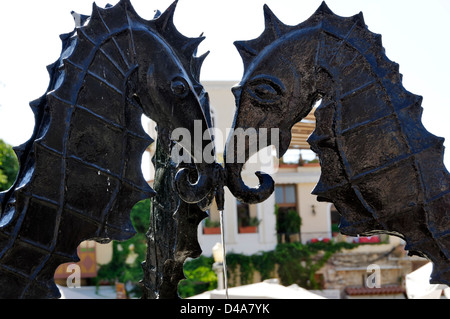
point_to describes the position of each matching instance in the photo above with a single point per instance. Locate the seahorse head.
(381, 168)
(278, 89)
(168, 89)
(80, 173)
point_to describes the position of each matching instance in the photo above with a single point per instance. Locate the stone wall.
(351, 267)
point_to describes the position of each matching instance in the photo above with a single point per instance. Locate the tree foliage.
(9, 166)
(200, 277)
(118, 269)
(292, 263)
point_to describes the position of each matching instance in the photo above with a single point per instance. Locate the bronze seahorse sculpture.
(176, 209)
(380, 167)
(80, 171)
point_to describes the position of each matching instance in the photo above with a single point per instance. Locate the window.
(247, 218)
(288, 219)
(243, 212)
(285, 196)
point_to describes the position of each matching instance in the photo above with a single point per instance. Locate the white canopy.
(87, 292)
(261, 290)
(418, 285)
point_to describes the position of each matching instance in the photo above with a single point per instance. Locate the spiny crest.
(38, 106)
(275, 29)
(184, 47)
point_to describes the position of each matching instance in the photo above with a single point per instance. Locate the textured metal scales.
(80, 173)
(380, 167)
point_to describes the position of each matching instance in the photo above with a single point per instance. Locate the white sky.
(415, 35)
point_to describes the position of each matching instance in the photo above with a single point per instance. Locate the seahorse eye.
(265, 89)
(179, 87)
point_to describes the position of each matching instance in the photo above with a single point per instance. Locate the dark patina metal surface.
(80, 173)
(178, 207)
(380, 167)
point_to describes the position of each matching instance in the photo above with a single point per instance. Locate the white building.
(293, 188)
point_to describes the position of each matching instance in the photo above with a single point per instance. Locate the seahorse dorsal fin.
(185, 47)
(246, 52)
(272, 22)
(323, 9)
(157, 14)
(165, 20)
(359, 18)
(197, 63)
(190, 46)
(80, 19)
